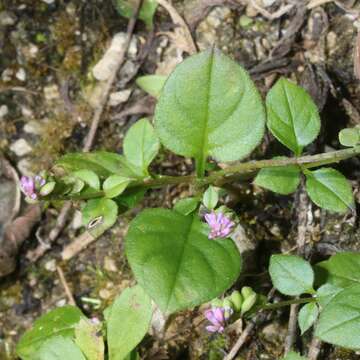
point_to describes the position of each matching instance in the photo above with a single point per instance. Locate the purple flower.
(220, 225)
(29, 185)
(216, 316)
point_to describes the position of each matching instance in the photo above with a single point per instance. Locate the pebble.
(33, 127)
(21, 75)
(105, 294)
(4, 110)
(268, 3)
(51, 92)
(20, 147)
(7, 74)
(110, 265)
(77, 220)
(119, 97)
(49, 2)
(26, 112)
(7, 18)
(51, 265)
(61, 303)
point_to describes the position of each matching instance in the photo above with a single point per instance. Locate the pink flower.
(216, 316)
(220, 225)
(29, 185)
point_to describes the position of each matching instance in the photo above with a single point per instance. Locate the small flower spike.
(220, 225)
(216, 316)
(27, 185)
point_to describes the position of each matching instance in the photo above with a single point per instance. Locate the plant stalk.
(287, 303)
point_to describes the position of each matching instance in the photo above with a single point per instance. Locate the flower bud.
(248, 303)
(227, 303)
(216, 303)
(47, 188)
(247, 291)
(237, 300)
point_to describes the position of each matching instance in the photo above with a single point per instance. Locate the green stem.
(287, 303)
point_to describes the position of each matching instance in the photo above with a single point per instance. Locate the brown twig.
(43, 247)
(314, 349)
(76, 246)
(65, 286)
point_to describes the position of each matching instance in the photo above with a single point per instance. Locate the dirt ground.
(47, 98)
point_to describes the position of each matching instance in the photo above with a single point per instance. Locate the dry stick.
(65, 286)
(300, 242)
(42, 248)
(314, 349)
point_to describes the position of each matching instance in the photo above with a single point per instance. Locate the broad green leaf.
(211, 197)
(186, 206)
(59, 348)
(293, 356)
(291, 274)
(88, 338)
(329, 189)
(128, 320)
(175, 262)
(339, 322)
(325, 293)
(114, 185)
(152, 84)
(58, 322)
(349, 137)
(99, 215)
(126, 8)
(89, 177)
(307, 316)
(141, 145)
(102, 163)
(341, 270)
(282, 180)
(210, 107)
(133, 356)
(293, 117)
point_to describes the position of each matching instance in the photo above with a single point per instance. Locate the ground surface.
(47, 96)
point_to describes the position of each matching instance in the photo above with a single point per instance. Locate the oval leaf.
(175, 262)
(293, 117)
(282, 180)
(141, 145)
(114, 185)
(291, 274)
(211, 197)
(89, 177)
(349, 137)
(128, 320)
(186, 206)
(307, 316)
(58, 322)
(59, 348)
(88, 338)
(339, 322)
(152, 84)
(209, 106)
(329, 189)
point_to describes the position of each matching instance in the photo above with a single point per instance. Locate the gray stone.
(20, 147)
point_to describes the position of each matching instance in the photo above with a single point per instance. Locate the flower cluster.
(217, 317)
(30, 185)
(220, 225)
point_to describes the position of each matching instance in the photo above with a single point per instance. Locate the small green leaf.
(128, 320)
(291, 274)
(339, 322)
(293, 356)
(99, 215)
(282, 180)
(58, 322)
(88, 338)
(307, 316)
(211, 197)
(293, 117)
(102, 163)
(114, 185)
(131, 197)
(59, 348)
(126, 8)
(89, 177)
(175, 262)
(186, 206)
(342, 270)
(329, 189)
(152, 84)
(200, 114)
(325, 293)
(349, 137)
(141, 145)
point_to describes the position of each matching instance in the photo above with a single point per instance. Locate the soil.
(47, 97)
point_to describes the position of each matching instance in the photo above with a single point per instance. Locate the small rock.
(7, 18)
(110, 265)
(33, 127)
(49, 2)
(268, 3)
(26, 112)
(51, 265)
(4, 110)
(77, 220)
(51, 92)
(7, 75)
(21, 75)
(105, 294)
(20, 147)
(119, 97)
(61, 303)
